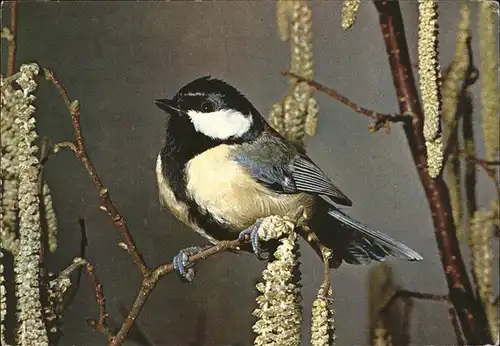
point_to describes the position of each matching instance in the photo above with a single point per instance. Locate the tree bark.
(469, 310)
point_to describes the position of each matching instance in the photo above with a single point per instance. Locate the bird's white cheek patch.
(221, 124)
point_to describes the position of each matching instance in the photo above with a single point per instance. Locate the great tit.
(223, 168)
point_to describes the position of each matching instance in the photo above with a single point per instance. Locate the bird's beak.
(167, 105)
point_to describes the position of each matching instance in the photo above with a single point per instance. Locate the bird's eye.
(207, 106)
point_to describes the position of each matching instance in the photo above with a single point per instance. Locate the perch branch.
(78, 148)
(150, 281)
(381, 119)
(11, 62)
(470, 312)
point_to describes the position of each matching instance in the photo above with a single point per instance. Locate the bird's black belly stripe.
(175, 177)
(207, 223)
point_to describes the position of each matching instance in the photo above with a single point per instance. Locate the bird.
(223, 168)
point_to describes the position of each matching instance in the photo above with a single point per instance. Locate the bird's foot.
(252, 231)
(182, 265)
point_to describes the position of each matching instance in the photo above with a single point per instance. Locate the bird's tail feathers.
(372, 244)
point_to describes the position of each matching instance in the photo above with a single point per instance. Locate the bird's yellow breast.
(178, 208)
(226, 190)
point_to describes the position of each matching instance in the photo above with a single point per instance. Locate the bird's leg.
(182, 265)
(252, 231)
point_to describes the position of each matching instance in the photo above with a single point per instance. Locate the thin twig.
(308, 235)
(484, 163)
(78, 148)
(77, 263)
(486, 166)
(11, 62)
(470, 167)
(381, 119)
(411, 294)
(456, 326)
(76, 285)
(65, 145)
(326, 272)
(471, 76)
(408, 308)
(44, 239)
(100, 324)
(470, 312)
(43, 154)
(491, 163)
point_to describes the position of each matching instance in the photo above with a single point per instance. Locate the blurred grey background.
(117, 57)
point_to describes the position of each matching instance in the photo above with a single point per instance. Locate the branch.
(405, 294)
(469, 310)
(150, 281)
(44, 239)
(408, 308)
(136, 334)
(471, 76)
(411, 294)
(452, 313)
(101, 301)
(78, 148)
(148, 284)
(76, 285)
(43, 154)
(470, 167)
(381, 119)
(486, 166)
(483, 163)
(11, 62)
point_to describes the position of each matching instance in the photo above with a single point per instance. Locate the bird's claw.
(252, 231)
(182, 265)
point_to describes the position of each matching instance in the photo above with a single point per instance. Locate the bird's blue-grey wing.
(282, 169)
(308, 177)
(268, 173)
(276, 166)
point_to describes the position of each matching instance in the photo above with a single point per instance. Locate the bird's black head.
(216, 110)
